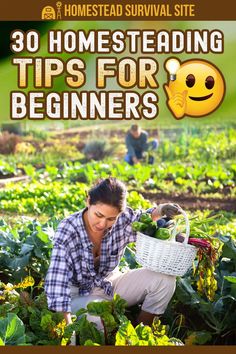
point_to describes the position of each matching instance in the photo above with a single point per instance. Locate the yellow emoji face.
(198, 89)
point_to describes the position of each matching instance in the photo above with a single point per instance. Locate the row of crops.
(204, 145)
(57, 190)
(31, 210)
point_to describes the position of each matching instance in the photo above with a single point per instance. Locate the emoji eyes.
(190, 80)
(209, 83)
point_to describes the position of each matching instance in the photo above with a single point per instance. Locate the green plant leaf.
(100, 307)
(231, 279)
(198, 337)
(126, 335)
(12, 330)
(42, 235)
(81, 312)
(229, 247)
(30, 170)
(88, 330)
(90, 343)
(143, 332)
(119, 305)
(25, 249)
(185, 292)
(109, 321)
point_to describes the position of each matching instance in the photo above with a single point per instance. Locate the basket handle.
(187, 225)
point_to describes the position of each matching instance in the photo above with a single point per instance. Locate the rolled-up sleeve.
(57, 281)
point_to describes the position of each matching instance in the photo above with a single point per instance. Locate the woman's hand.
(167, 209)
(67, 317)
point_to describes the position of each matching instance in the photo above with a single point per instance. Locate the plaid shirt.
(72, 259)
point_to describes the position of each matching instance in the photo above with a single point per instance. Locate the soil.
(192, 202)
(3, 182)
(9, 175)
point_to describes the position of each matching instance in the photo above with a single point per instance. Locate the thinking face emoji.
(198, 89)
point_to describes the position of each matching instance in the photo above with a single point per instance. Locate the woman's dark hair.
(108, 191)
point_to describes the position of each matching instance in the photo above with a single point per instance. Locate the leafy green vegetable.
(12, 330)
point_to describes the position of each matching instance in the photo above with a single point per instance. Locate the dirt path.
(192, 202)
(5, 181)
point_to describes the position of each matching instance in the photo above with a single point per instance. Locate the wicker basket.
(165, 256)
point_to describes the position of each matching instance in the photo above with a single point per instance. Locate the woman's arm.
(56, 285)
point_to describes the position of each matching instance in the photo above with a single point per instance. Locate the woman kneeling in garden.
(88, 246)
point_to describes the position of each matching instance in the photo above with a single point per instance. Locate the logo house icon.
(48, 13)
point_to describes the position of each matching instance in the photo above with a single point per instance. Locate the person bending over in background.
(136, 143)
(88, 246)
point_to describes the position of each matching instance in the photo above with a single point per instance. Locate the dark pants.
(152, 145)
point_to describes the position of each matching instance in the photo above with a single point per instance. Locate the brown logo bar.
(126, 10)
(118, 350)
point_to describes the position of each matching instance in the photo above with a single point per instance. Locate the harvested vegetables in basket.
(157, 249)
(158, 229)
(175, 255)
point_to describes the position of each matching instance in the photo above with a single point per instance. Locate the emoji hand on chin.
(176, 102)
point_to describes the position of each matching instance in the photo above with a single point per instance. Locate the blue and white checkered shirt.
(72, 259)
